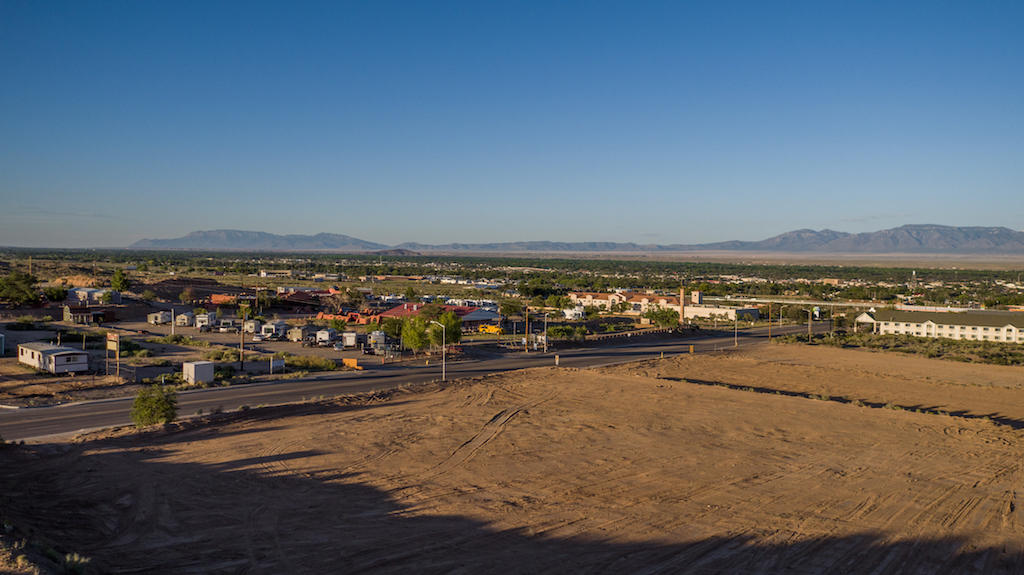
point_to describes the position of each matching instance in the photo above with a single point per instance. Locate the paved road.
(53, 422)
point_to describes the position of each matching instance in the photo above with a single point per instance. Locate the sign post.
(114, 343)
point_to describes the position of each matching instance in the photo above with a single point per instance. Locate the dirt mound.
(542, 470)
(79, 281)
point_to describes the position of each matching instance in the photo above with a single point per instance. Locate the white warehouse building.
(976, 325)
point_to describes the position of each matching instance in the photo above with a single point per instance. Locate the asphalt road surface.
(52, 423)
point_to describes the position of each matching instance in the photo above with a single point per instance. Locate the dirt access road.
(555, 470)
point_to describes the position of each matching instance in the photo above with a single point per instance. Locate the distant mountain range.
(238, 240)
(905, 239)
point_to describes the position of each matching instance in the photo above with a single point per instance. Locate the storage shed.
(197, 371)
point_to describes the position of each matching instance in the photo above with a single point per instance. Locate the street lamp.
(810, 316)
(444, 339)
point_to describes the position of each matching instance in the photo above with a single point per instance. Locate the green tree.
(431, 312)
(663, 317)
(55, 293)
(19, 288)
(452, 332)
(187, 295)
(337, 324)
(154, 404)
(511, 307)
(410, 294)
(120, 281)
(149, 295)
(392, 327)
(414, 334)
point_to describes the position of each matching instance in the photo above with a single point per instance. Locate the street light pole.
(736, 330)
(444, 339)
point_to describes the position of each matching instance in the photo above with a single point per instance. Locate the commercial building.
(975, 325)
(87, 315)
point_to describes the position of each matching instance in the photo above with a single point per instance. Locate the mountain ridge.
(910, 238)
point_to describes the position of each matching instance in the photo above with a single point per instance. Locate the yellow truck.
(495, 329)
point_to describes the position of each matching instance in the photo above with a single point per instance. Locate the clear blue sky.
(499, 121)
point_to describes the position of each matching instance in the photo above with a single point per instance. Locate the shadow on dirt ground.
(125, 506)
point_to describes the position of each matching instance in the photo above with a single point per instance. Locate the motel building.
(1007, 327)
(53, 358)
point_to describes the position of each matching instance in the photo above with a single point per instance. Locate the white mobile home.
(273, 329)
(185, 319)
(205, 319)
(326, 336)
(159, 317)
(53, 358)
(252, 326)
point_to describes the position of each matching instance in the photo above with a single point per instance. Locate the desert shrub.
(221, 355)
(75, 563)
(23, 323)
(154, 404)
(223, 373)
(310, 363)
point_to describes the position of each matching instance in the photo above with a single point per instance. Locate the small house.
(185, 319)
(252, 326)
(205, 319)
(53, 358)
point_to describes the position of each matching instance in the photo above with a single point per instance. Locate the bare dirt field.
(556, 470)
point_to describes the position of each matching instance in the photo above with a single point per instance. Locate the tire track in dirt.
(482, 437)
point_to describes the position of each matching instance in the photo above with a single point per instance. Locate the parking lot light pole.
(444, 340)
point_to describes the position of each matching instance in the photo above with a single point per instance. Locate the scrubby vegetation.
(992, 352)
(307, 362)
(179, 339)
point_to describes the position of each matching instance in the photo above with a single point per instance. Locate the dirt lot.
(560, 470)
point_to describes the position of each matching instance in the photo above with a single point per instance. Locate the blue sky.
(571, 121)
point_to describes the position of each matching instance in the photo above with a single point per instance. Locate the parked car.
(368, 351)
(339, 347)
(257, 338)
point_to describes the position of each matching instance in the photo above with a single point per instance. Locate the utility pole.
(526, 334)
(769, 321)
(241, 343)
(545, 333)
(172, 319)
(736, 331)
